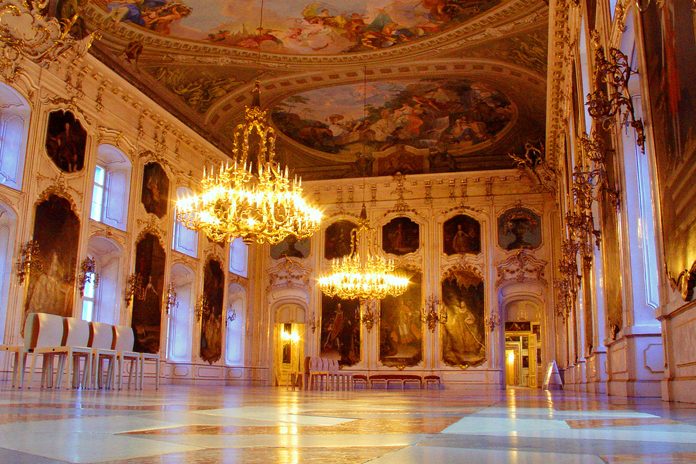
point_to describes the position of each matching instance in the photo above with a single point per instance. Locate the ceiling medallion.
(252, 199)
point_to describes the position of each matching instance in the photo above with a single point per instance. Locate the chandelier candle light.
(363, 277)
(254, 200)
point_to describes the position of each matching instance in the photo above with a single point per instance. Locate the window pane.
(97, 200)
(89, 287)
(238, 257)
(87, 308)
(99, 174)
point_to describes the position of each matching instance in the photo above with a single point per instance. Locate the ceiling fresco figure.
(459, 114)
(300, 26)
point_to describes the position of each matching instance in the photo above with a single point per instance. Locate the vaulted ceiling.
(352, 87)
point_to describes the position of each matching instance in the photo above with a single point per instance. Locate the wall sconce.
(312, 322)
(29, 259)
(368, 315)
(433, 313)
(606, 102)
(492, 321)
(134, 288)
(202, 307)
(170, 301)
(88, 274)
(231, 314)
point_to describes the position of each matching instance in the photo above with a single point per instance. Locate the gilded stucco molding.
(521, 266)
(288, 273)
(152, 225)
(59, 185)
(26, 32)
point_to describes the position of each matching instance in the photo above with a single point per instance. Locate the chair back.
(124, 338)
(102, 336)
(43, 330)
(77, 332)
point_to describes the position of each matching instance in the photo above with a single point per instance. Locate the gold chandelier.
(254, 200)
(363, 277)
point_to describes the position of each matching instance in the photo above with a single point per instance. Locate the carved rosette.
(522, 266)
(288, 273)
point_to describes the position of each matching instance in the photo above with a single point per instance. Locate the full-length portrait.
(52, 284)
(464, 337)
(401, 329)
(340, 330)
(211, 312)
(147, 300)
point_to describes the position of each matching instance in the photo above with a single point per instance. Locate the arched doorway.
(288, 336)
(523, 343)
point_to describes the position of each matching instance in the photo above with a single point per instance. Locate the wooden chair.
(124, 352)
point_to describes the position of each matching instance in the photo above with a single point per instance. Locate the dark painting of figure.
(400, 327)
(463, 338)
(291, 248)
(519, 228)
(155, 195)
(669, 30)
(66, 140)
(461, 234)
(147, 302)
(400, 236)
(338, 239)
(56, 231)
(340, 330)
(211, 318)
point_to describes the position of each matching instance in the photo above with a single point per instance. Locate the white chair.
(20, 352)
(124, 352)
(102, 350)
(150, 357)
(49, 337)
(75, 350)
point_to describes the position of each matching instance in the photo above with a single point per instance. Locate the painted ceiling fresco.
(453, 114)
(451, 84)
(299, 26)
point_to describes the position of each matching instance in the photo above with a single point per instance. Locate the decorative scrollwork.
(30, 33)
(613, 98)
(433, 312)
(368, 315)
(533, 163)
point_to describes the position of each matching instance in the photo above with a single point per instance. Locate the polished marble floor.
(193, 425)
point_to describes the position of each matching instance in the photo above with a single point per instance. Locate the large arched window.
(239, 257)
(185, 240)
(234, 339)
(102, 303)
(14, 126)
(181, 315)
(7, 239)
(111, 187)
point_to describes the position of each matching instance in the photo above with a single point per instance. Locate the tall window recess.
(239, 257)
(181, 314)
(102, 303)
(14, 127)
(185, 240)
(111, 187)
(639, 199)
(234, 339)
(8, 221)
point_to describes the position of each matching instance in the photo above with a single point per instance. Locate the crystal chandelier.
(365, 276)
(254, 199)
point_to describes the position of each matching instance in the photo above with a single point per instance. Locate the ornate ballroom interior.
(527, 165)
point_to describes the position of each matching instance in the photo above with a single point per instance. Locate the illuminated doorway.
(289, 352)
